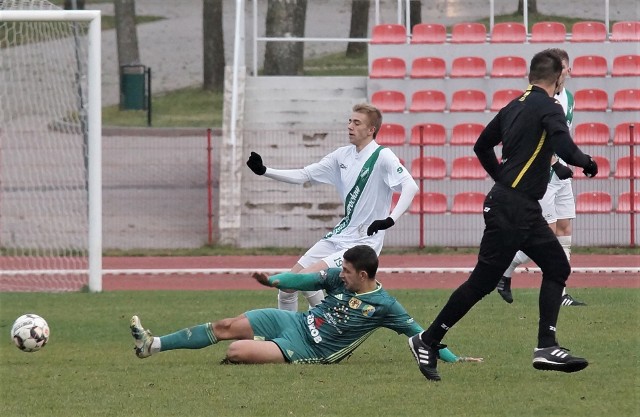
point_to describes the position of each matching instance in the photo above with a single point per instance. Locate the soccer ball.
(30, 332)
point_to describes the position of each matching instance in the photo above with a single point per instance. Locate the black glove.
(562, 171)
(378, 225)
(255, 164)
(591, 169)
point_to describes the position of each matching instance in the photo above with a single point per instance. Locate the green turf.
(89, 369)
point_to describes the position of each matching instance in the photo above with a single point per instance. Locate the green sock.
(196, 337)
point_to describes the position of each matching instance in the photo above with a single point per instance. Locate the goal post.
(50, 148)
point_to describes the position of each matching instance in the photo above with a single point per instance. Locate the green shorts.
(287, 330)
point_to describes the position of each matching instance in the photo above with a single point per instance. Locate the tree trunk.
(126, 34)
(213, 45)
(359, 27)
(72, 4)
(285, 18)
(532, 7)
(415, 12)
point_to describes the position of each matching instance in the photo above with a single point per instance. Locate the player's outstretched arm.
(290, 280)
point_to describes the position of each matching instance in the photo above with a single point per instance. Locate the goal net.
(50, 186)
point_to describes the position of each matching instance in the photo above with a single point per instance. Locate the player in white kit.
(365, 175)
(558, 204)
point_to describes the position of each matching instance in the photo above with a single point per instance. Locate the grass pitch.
(89, 368)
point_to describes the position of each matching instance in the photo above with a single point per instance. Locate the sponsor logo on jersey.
(364, 173)
(313, 323)
(368, 310)
(354, 303)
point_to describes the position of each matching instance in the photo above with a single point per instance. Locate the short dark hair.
(564, 55)
(546, 67)
(363, 258)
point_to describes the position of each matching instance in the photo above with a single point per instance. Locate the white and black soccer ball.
(30, 332)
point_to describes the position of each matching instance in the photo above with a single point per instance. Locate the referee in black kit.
(531, 128)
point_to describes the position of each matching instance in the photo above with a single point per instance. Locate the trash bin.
(133, 87)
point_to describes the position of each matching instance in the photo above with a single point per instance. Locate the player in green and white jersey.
(356, 305)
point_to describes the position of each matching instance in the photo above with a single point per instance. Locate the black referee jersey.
(531, 128)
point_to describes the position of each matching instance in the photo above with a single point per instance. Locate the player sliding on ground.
(356, 305)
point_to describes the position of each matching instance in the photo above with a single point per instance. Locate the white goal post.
(50, 121)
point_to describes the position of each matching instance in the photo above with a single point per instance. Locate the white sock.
(314, 297)
(288, 300)
(518, 260)
(565, 242)
(155, 345)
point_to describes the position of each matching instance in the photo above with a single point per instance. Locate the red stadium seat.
(468, 100)
(591, 134)
(508, 66)
(467, 167)
(468, 33)
(626, 100)
(588, 32)
(429, 167)
(551, 32)
(471, 203)
(428, 101)
(466, 134)
(502, 97)
(624, 202)
(389, 33)
(604, 169)
(593, 202)
(625, 32)
(591, 99)
(391, 134)
(429, 33)
(390, 101)
(508, 32)
(622, 134)
(432, 203)
(428, 67)
(433, 134)
(589, 66)
(388, 67)
(468, 67)
(623, 167)
(626, 66)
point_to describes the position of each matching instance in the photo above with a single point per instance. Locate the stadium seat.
(593, 202)
(389, 33)
(467, 167)
(624, 202)
(551, 32)
(428, 67)
(390, 101)
(429, 33)
(604, 169)
(591, 134)
(626, 100)
(589, 66)
(466, 133)
(468, 100)
(588, 32)
(509, 32)
(468, 203)
(502, 97)
(391, 134)
(628, 31)
(468, 67)
(468, 33)
(428, 101)
(432, 167)
(591, 99)
(433, 134)
(623, 167)
(388, 67)
(432, 203)
(622, 135)
(626, 66)
(508, 66)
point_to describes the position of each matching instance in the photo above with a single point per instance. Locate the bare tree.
(213, 45)
(126, 34)
(285, 18)
(532, 7)
(359, 26)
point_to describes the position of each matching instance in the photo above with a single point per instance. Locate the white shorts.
(330, 251)
(558, 202)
